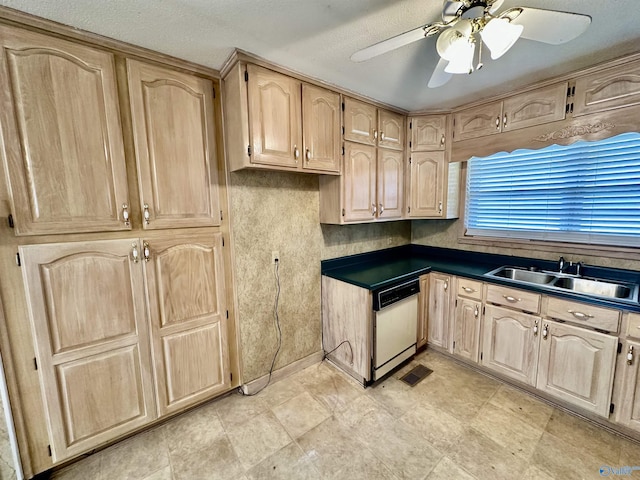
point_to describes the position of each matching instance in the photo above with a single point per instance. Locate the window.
(587, 192)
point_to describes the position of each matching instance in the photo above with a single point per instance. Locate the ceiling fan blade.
(439, 77)
(548, 26)
(389, 44)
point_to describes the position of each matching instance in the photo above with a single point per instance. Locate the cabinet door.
(423, 311)
(188, 320)
(390, 130)
(576, 365)
(606, 89)
(174, 137)
(540, 106)
(510, 343)
(628, 373)
(426, 184)
(390, 183)
(439, 308)
(61, 135)
(428, 133)
(360, 123)
(477, 121)
(321, 129)
(87, 308)
(275, 118)
(359, 182)
(466, 331)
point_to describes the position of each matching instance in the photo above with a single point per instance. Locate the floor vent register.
(416, 375)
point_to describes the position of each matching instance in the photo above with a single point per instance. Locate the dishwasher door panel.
(395, 330)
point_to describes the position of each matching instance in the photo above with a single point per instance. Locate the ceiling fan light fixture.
(499, 35)
(461, 60)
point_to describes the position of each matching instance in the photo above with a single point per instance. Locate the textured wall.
(444, 233)
(7, 471)
(280, 211)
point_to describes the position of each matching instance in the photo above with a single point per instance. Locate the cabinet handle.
(125, 215)
(146, 252)
(535, 328)
(469, 290)
(382, 136)
(307, 154)
(373, 210)
(511, 299)
(498, 122)
(375, 134)
(381, 209)
(504, 120)
(446, 285)
(476, 312)
(135, 256)
(630, 355)
(145, 213)
(545, 332)
(580, 315)
(442, 140)
(440, 206)
(296, 153)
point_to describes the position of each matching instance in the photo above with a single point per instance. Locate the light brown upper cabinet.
(277, 122)
(364, 123)
(426, 185)
(543, 105)
(174, 138)
(61, 135)
(607, 89)
(428, 133)
(370, 189)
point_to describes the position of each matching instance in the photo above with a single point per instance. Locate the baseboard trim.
(256, 385)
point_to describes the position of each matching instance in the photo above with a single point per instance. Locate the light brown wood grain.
(428, 133)
(390, 184)
(633, 325)
(577, 365)
(477, 121)
(513, 298)
(583, 314)
(423, 311)
(174, 125)
(426, 184)
(466, 329)
(359, 182)
(322, 126)
(440, 310)
(360, 122)
(608, 88)
(62, 136)
(465, 287)
(391, 130)
(627, 375)
(544, 105)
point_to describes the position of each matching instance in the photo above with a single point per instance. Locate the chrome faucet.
(561, 264)
(579, 266)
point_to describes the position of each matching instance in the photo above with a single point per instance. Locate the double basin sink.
(565, 282)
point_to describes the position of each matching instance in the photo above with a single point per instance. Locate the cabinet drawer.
(469, 288)
(583, 314)
(514, 298)
(633, 325)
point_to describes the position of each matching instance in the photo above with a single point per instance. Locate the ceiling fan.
(464, 20)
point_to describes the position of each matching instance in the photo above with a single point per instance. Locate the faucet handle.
(561, 264)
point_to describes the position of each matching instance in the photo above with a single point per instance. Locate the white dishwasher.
(395, 325)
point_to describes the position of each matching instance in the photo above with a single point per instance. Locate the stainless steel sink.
(560, 281)
(528, 276)
(594, 287)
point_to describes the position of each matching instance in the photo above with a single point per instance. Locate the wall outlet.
(275, 257)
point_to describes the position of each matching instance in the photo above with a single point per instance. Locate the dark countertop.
(382, 268)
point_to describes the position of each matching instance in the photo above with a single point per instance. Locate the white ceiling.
(317, 37)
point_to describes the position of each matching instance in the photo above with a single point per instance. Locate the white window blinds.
(587, 192)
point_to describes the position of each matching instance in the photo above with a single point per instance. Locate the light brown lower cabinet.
(423, 311)
(577, 365)
(466, 328)
(628, 404)
(108, 363)
(439, 306)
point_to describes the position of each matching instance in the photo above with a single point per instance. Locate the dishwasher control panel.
(387, 296)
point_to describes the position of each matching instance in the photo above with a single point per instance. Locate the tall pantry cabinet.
(118, 311)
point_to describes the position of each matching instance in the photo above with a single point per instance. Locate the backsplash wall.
(280, 211)
(444, 233)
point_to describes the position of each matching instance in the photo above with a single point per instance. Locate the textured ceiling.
(317, 37)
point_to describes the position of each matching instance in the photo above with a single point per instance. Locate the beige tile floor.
(317, 424)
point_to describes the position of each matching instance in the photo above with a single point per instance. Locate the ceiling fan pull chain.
(480, 64)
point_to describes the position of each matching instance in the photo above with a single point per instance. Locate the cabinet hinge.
(214, 92)
(480, 355)
(231, 376)
(18, 262)
(619, 347)
(409, 143)
(10, 221)
(227, 313)
(456, 302)
(35, 363)
(49, 449)
(343, 106)
(246, 76)
(454, 345)
(409, 160)
(221, 217)
(342, 150)
(343, 130)
(249, 150)
(483, 310)
(408, 209)
(343, 212)
(612, 407)
(410, 125)
(223, 241)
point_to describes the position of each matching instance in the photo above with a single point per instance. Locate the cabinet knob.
(373, 210)
(381, 208)
(135, 255)
(545, 332)
(498, 122)
(630, 355)
(469, 289)
(504, 120)
(535, 328)
(307, 154)
(381, 135)
(442, 140)
(146, 252)
(476, 312)
(580, 315)
(296, 153)
(440, 206)
(446, 285)
(375, 134)
(125, 215)
(146, 215)
(511, 299)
